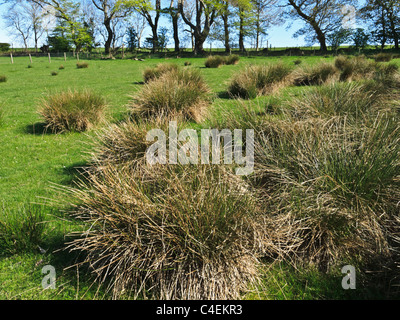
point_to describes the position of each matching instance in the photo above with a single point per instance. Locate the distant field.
(31, 162)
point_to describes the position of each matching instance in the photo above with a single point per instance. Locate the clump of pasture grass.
(187, 63)
(354, 100)
(169, 231)
(54, 73)
(159, 70)
(21, 230)
(72, 110)
(355, 68)
(258, 80)
(214, 61)
(388, 75)
(314, 75)
(61, 67)
(176, 93)
(232, 59)
(82, 65)
(383, 57)
(3, 78)
(124, 143)
(336, 186)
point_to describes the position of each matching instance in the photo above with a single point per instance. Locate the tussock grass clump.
(314, 75)
(72, 111)
(54, 73)
(82, 65)
(232, 59)
(125, 143)
(173, 232)
(388, 75)
(187, 63)
(354, 100)
(21, 230)
(336, 186)
(3, 78)
(383, 57)
(156, 72)
(355, 68)
(176, 93)
(258, 80)
(214, 61)
(61, 67)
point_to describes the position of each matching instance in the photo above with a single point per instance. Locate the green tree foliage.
(360, 38)
(337, 38)
(383, 19)
(132, 36)
(320, 17)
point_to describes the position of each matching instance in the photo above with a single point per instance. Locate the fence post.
(49, 57)
(65, 56)
(30, 58)
(12, 60)
(77, 56)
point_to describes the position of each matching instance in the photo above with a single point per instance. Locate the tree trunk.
(241, 31)
(322, 41)
(257, 37)
(110, 35)
(198, 43)
(320, 35)
(226, 33)
(155, 38)
(176, 31)
(258, 28)
(394, 32)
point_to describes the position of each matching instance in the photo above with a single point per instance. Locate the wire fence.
(31, 55)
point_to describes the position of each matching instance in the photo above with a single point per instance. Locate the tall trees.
(25, 19)
(145, 8)
(112, 11)
(320, 17)
(36, 14)
(383, 18)
(205, 13)
(245, 20)
(173, 12)
(74, 24)
(266, 13)
(138, 23)
(16, 22)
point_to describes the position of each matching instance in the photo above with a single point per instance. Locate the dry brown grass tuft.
(159, 70)
(335, 185)
(72, 110)
(174, 232)
(355, 68)
(259, 80)
(181, 93)
(82, 65)
(314, 75)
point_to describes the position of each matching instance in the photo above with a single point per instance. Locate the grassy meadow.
(37, 165)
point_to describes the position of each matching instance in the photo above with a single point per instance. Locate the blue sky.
(278, 36)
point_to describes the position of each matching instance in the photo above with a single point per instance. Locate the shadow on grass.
(74, 173)
(38, 128)
(225, 95)
(138, 82)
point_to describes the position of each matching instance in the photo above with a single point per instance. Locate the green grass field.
(33, 163)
